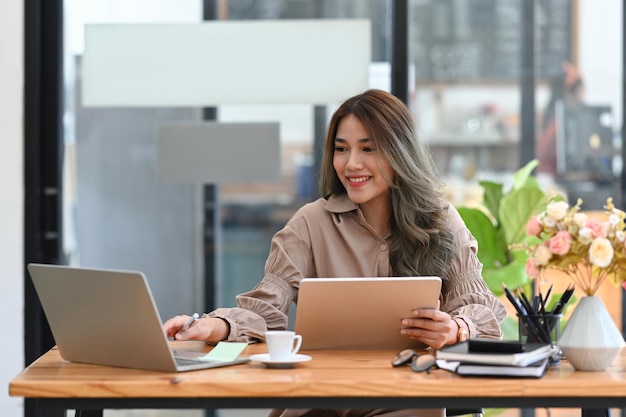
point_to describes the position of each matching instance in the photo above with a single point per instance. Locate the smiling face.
(363, 172)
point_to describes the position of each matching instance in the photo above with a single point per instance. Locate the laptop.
(361, 313)
(108, 317)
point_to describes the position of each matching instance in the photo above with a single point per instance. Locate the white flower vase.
(590, 340)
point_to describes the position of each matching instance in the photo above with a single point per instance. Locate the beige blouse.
(330, 238)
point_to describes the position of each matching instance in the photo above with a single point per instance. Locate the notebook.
(532, 353)
(361, 313)
(108, 317)
(533, 370)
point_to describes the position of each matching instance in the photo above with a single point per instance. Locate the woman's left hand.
(430, 326)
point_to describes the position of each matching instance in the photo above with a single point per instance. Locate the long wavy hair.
(421, 243)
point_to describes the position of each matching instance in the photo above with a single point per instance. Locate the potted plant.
(499, 224)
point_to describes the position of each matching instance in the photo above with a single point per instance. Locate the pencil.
(567, 294)
(523, 315)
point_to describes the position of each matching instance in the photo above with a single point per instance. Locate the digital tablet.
(361, 313)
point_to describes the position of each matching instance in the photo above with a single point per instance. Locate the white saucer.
(264, 358)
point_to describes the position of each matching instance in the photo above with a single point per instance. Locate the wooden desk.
(333, 379)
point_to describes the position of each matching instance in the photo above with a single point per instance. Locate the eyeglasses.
(419, 363)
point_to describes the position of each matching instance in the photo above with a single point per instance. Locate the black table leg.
(596, 412)
(88, 413)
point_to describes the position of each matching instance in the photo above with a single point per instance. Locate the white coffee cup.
(282, 344)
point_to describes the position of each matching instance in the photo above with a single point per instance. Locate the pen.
(193, 318)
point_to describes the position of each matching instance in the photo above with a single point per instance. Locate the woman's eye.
(340, 148)
(369, 149)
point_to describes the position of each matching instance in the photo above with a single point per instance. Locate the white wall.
(600, 53)
(11, 200)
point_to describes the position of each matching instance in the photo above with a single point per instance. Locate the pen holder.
(541, 328)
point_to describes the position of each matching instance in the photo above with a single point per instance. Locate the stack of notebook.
(491, 357)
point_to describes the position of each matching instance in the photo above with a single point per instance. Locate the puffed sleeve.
(465, 293)
(266, 307)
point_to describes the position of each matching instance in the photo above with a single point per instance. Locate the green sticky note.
(225, 351)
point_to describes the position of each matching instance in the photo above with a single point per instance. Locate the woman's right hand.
(208, 329)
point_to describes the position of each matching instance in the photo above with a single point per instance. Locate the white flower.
(584, 235)
(548, 221)
(580, 219)
(601, 252)
(542, 255)
(620, 235)
(614, 220)
(557, 210)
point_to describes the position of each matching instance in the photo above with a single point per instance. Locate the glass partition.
(467, 59)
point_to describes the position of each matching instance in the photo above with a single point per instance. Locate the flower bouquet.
(587, 249)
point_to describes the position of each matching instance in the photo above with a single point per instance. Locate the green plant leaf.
(522, 176)
(516, 209)
(518, 255)
(510, 328)
(492, 251)
(493, 412)
(492, 194)
(512, 275)
(502, 223)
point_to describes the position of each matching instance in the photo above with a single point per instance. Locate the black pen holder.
(540, 328)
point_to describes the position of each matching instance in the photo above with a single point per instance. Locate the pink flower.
(587, 249)
(560, 243)
(532, 270)
(533, 227)
(598, 228)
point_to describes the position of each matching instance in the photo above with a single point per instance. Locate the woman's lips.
(358, 180)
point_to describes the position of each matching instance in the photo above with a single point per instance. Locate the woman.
(382, 215)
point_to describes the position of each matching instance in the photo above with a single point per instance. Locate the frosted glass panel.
(217, 63)
(219, 153)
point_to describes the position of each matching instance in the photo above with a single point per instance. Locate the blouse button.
(383, 247)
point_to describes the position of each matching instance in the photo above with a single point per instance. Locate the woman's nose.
(354, 160)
